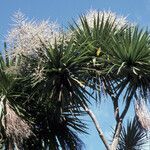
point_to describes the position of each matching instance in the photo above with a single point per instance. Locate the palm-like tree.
(131, 64)
(14, 128)
(51, 89)
(122, 63)
(54, 93)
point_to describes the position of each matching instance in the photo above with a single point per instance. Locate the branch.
(115, 96)
(98, 128)
(117, 135)
(115, 104)
(119, 123)
(116, 107)
(128, 101)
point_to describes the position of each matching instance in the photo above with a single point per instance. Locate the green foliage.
(48, 88)
(132, 137)
(129, 56)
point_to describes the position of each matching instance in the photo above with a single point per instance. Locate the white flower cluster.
(116, 20)
(26, 36)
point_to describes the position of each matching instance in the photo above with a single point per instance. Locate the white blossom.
(118, 21)
(25, 36)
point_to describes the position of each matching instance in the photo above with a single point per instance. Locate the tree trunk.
(98, 128)
(116, 136)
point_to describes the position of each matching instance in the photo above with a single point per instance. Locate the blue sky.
(63, 11)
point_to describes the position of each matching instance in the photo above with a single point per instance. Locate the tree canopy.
(50, 76)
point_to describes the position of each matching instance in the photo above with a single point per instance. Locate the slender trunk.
(98, 128)
(118, 129)
(116, 136)
(119, 123)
